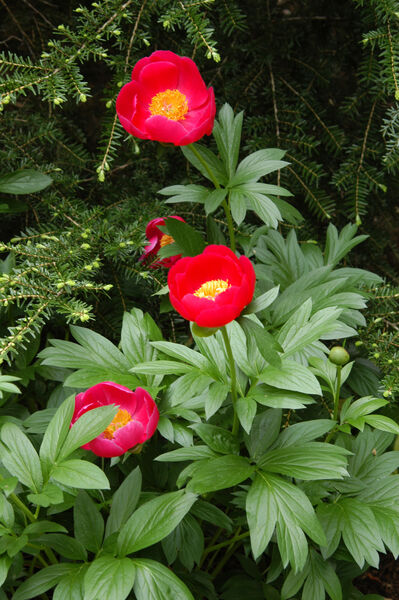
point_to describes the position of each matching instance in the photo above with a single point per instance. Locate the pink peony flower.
(134, 423)
(167, 100)
(158, 240)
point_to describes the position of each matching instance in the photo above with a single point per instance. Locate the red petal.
(191, 83)
(157, 77)
(164, 130)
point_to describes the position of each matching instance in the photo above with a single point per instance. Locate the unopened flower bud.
(338, 356)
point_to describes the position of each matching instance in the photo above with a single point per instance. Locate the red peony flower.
(167, 100)
(134, 423)
(212, 288)
(158, 240)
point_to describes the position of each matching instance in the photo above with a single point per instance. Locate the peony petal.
(191, 83)
(130, 435)
(218, 316)
(157, 56)
(104, 447)
(157, 77)
(164, 130)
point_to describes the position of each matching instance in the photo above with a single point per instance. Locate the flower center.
(171, 104)
(165, 240)
(121, 419)
(210, 289)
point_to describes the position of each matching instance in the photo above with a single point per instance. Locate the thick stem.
(233, 377)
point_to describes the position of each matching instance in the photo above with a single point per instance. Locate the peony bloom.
(134, 423)
(212, 288)
(167, 100)
(158, 240)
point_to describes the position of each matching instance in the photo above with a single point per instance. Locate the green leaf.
(238, 206)
(217, 438)
(227, 134)
(70, 586)
(154, 581)
(209, 512)
(294, 505)
(87, 428)
(89, 376)
(262, 301)
(153, 521)
(246, 411)
(51, 494)
(209, 165)
(109, 578)
(102, 351)
(292, 543)
(312, 461)
(124, 501)
(264, 208)
(190, 453)
(323, 571)
(42, 581)
(24, 181)
(360, 532)
(220, 473)
(43, 527)
(64, 545)
(57, 432)
(88, 522)
(382, 423)
(257, 442)
(291, 376)
(80, 474)
(214, 200)
(21, 458)
(5, 563)
(185, 193)
(304, 432)
(258, 164)
(217, 393)
(265, 342)
(293, 582)
(188, 239)
(162, 367)
(182, 353)
(186, 541)
(262, 514)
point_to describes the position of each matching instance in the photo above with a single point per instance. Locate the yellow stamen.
(212, 288)
(121, 419)
(171, 104)
(165, 240)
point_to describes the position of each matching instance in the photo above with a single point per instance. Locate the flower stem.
(233, 377)
(225, 202)
(337, 393)
(336, 403)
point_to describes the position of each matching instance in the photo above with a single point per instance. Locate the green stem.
(14, 498)
(225, 202)
(226, 543)
(233, 377)
(206, 166)
(229, 553)
(337, 393)
(336, 402)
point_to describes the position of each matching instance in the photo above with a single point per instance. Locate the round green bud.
(386, 394)
(203, 331)
(101, 176)
(83, 98)
(85, 246)
(359, 343)
(374, 345)
(376, 355)
(390, 361)
(108, 104)
(6, 99)
(338, 356)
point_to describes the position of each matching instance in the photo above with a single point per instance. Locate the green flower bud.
(83, 98)
(338, 356)
(85, 246)
(6, 99)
